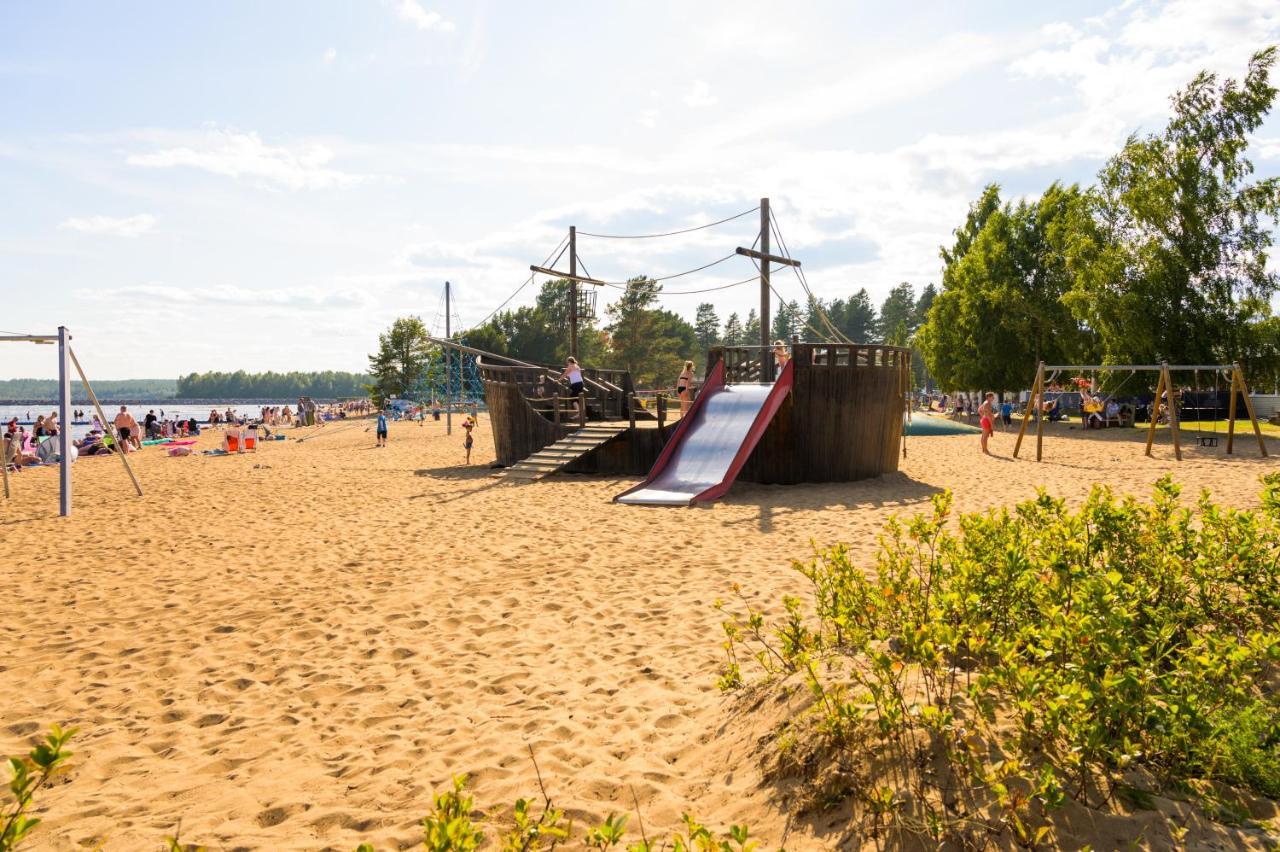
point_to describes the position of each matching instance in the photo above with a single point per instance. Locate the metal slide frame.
(762, 415)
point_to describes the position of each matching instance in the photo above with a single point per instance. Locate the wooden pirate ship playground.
(814, 412)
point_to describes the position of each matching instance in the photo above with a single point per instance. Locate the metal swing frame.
(66, 361)
(1163, 385)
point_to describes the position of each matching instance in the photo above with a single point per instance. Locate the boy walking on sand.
(382, 429)
(467, 426)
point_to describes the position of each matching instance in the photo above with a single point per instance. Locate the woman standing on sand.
(684, 387)
(987, 412)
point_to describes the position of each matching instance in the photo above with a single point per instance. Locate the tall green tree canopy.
(1170, 263)
(1001, 309)
(856, 318)
(733, 334)
(651, 343)
(400, 364)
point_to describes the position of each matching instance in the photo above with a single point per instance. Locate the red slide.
(712, 442)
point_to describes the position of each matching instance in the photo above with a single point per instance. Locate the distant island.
(327, 384)
(47, 389)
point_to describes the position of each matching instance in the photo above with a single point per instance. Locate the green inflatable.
(923, 425)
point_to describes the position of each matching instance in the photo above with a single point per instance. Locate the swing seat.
(1208, 440)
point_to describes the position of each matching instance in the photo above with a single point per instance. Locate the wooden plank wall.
(842, 422)
(518, 430)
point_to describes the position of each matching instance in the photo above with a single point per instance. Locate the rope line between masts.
(669, 233)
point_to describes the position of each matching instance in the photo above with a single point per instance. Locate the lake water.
(27, 413)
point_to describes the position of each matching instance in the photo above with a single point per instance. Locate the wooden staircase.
(556, 456)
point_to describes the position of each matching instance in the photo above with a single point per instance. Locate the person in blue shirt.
(382, 428)
(1006, 412)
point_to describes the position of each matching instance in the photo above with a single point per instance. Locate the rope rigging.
(839, 336)
(560, 247)
(669, 233)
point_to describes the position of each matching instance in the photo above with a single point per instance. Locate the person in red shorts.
(987, 413)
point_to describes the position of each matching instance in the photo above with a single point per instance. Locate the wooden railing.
(606, 391)
(852, 355)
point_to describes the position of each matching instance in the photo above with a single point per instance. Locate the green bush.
(27, 775)
(1038, 653)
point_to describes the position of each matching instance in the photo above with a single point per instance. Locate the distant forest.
(47, 389)
(270, 385)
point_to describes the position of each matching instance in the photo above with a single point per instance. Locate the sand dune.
(293, 649)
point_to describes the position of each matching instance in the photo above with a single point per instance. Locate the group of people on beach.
(469, 422)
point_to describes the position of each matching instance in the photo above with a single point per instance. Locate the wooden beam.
(108, 425)
(1248, 405)
(1231, 415)
(1173, 415)
(1037, 388)
(772, 258)
(568, 276)
(1155, 413)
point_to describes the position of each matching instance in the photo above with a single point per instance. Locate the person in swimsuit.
(780, 355)
(573, 374)
(467, 426)
(987, 412)
(126, 428)
(684, 387)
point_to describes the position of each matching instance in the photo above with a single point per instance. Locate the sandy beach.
(293, 649)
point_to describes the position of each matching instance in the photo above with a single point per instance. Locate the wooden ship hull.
(841, 421)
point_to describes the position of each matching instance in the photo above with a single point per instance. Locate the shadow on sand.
(775, 502)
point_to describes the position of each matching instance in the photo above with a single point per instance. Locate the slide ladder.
(712, 442)
(559, 455)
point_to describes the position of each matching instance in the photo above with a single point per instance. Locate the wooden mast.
(766, 359)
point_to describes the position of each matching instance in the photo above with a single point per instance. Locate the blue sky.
(250, 185)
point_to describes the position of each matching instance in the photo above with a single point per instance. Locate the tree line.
(1164, 259)
(47, 389)
(328, 384)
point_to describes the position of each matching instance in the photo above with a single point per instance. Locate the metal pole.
(64, 423)
(573, 291)
(448, 368)
(766, 362)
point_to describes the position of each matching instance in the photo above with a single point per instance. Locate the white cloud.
(1267, 149)
(128, 226)
(648, 117)
(245, 155)
(267, 297)
(699, 95)
(412, 11)
(330, 55)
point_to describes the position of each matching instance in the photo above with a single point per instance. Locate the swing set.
(66, 361)
(1166, 402)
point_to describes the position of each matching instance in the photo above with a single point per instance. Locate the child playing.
(467, 426)
(382, 429)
